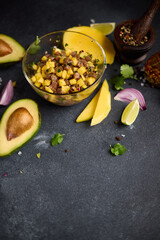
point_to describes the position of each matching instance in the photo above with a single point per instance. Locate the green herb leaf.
(126, 71)
(35, 47)
(118, 149)
(66, 45)
(117, 82)
(57, 139)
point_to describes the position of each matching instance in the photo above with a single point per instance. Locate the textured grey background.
(86, 193)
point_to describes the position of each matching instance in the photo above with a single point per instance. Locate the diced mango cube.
(39, 70)
(75, 69)
(44, 58)
(74, 61)
(48, 89)
(51, 64)
(38, 75)
(51, 70)
(83, 54)
(65, 89)
(44, 68)
(61, 60)
(37, 84)
(34, 66)
(33, 79)
(73, 81)
(68, 51)
(46, 82)
(90, 64)
(82, 70)
(90, 80)
(61, 82)
(40, 80)
(59, 73)
(56, 50)
(70, 71)
(84, 86)
(68, 76)
(64, 74)
(80, 82)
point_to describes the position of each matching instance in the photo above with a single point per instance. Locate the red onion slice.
(7, 94)
(129, 94)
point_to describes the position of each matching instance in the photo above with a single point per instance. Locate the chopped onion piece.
(7, 94)
(129, 94)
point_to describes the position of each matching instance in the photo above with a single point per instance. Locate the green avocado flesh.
(7, 147)
(10, 50)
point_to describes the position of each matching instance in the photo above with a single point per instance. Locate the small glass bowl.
(47, 42)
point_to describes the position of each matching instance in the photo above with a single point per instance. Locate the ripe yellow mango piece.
(103, 106)
(77, 43)
(89, 110)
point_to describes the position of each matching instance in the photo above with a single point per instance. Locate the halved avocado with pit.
(10, 50)
(19, 123)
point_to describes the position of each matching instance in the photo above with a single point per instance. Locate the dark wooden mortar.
(136, 54)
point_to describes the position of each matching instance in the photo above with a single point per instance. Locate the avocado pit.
(19, 122)
(5, 49)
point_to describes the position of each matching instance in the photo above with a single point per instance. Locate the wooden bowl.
(132, 54)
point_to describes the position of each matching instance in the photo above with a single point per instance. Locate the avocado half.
(10, 50)
(10, 145)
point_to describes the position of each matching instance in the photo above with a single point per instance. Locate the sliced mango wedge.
(103, 106)
(79, 43)
(89, 110)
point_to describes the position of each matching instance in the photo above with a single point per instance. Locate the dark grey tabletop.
(86, 193)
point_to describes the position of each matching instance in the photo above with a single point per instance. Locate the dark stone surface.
(85, 193)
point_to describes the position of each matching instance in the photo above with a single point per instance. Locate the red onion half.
(7, 94)
(129, 94)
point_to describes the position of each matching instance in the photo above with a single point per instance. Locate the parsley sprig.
(57, 139)
(35, 47)
(118, 149)
(126, 71)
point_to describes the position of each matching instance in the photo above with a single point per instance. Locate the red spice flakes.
(5, 175)
(118, 138)
(67, 150)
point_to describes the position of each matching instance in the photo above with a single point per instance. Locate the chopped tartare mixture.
(65, 71)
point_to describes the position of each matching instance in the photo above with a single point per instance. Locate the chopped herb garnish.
(90, 55)
(117, 82)
(59, 70)
(89, 69)
(66, 44)
(97, 60)
(35, 47)
(118, 149)
(126, 71)
(57, 139)
(70, 64)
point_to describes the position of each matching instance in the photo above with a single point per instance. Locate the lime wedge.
(105, 28)
(130, 113)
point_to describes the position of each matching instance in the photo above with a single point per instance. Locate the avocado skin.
(31, 136)
(15, 56)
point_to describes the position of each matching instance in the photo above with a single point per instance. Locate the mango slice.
(89, 110)
(78, 43)
(103, 106)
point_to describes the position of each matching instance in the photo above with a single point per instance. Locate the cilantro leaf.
(57, 139)
(35, 47)
(126, 71)
(117, 82)
(118, 149)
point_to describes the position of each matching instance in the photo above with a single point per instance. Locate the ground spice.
(152, 70)
(67, 150)
(128, 38)
(115, 122)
